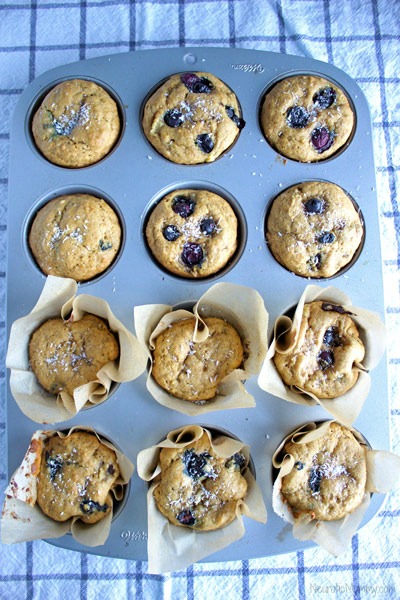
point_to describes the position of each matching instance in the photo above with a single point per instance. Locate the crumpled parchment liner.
(22, 518)
(243, 308)
(171, 548)
(344, 408)
(383, 472)
(58, 298)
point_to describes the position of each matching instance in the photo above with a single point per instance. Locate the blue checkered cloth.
(360, 37)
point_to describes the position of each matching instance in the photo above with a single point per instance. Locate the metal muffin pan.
(133, 177)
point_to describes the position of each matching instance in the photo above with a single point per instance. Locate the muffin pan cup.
(22, 518)
(133, 175)
(383, 472)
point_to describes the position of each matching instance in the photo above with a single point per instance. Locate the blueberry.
(297, 117)
(186, 518)
(321, 139)
(314, 481)
(88, 507)
(314, 262)
(299, 465)
(325, 359)
(55, 465)
(326, 237)
(192, 254)
(208, 226)
(335, 307)
(111, 469)
(171, 233)
(240, 123)
(196, 84)
(205, 143)
(314, 206)
(104, 245)
(324, 98)
(183, 206)
(237, 461)
(173, 118)
(331, 336)
(195, 463)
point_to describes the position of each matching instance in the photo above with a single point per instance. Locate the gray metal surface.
(133, 176)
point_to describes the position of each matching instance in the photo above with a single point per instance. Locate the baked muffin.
(192, 371)
(192, 118)
(329, 475)
(324, 359)
(76, 475)
(313, 229)
(196, 488)
(306, 118)
(192, 233)
(77, 124)
(76, 236)
(65, 355)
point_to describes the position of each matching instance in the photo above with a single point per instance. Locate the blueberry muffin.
(198, 489)
(313, 229)
(65, 355)
(324, 361)
(76, 475)
(192, 233)
(329, 475)
(76, 236)
(193, 370)
(306, 118)
(77, 124)
(192, 118)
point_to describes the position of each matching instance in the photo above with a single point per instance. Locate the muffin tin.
(132, 178)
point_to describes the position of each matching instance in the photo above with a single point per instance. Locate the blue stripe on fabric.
(300, 575)
(181, 21)
(29, 571)
(139, 581)
(245, 580)
(231, 19)
(84, 577)
(32, 41)
(190, 583)
(355, 574)
(389, 158)
(132, 26)
(82, 30)
(328, 32)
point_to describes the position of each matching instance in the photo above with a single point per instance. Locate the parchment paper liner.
(171, 548)
(243, 308)
(344, 408)
(22, 518)
(383, 471)
(58, 298)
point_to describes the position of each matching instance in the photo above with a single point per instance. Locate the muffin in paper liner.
(383, 473)
(172, 548)
(58, 299)
(23, 520)
(240, 306)
(346, 407)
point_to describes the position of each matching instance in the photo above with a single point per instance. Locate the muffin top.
(192, 118)
(76, 236)
(192, 233)
(198, 489)
(329, 475)
(325, 357)
(306, 118)
(65, 355)
(193, 370)
(313, 229)
(77, 124)
(76, 475)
